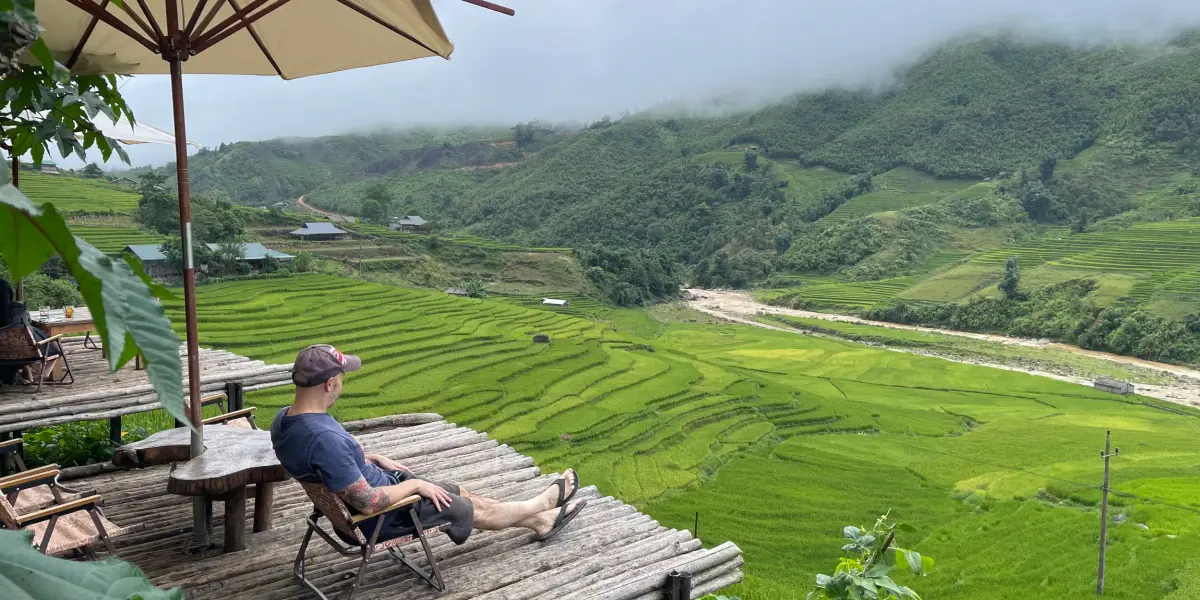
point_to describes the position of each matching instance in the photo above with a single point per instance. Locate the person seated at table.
(14, 313)
(311, 445)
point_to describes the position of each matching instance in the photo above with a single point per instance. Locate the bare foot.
(549, 498)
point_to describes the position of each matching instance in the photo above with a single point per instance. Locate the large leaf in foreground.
(26, 574)
(128, 318)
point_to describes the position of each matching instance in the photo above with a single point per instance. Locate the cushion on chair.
(73, 530)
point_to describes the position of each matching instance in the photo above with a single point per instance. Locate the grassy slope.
(69, 194)
(723, 420)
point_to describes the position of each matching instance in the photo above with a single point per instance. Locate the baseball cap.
(316, 364)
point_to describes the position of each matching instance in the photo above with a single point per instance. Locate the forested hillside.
(983, 144)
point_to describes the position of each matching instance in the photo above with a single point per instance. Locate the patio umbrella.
(288, 38)
(136, 133)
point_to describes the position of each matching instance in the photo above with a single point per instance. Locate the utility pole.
(1106, 454)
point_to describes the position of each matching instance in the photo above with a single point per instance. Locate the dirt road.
(300, 201)
(740, 307)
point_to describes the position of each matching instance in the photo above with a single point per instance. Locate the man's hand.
(387, 463)
(440, 497)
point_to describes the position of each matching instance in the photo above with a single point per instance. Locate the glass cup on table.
(44, 313)
(69, 311)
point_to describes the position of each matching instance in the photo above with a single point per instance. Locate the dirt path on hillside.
(740, 307)
(300, 201)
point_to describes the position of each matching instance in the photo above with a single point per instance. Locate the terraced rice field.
(905, 188)
(111, 240)
(69, 194)
(776, 440)
(461, 239)
(849, 295)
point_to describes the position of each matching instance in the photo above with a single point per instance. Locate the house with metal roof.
(154, 262)
(319, 232)
(125, 182)
(411, 224)
(254, 253)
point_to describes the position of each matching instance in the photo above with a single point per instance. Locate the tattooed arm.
(367, 499)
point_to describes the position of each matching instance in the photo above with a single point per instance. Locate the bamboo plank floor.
(98, 394)
(610, 552)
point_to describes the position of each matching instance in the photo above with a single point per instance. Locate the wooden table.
(56, 321)
(233, 459)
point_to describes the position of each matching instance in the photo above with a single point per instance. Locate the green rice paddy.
(70, 194)
(775, 440)
(112, 240)
(905, 188)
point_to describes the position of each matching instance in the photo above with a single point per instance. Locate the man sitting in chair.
(310, 444)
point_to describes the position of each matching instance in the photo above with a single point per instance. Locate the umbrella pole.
(16, 181)
(174, 55)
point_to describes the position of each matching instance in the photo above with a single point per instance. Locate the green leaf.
(41, 52)
(905, 527)
(865, 583)
(926, 565)
(913, 559)
(22, 245)
(26, 574)
(851, 532)
(126, 314)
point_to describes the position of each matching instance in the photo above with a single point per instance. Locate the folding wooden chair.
(70, 527)
(32, 489)
(18, 348)
(352, 542)
(243, 418)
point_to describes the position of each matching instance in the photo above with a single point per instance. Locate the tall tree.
(377, 207)
(1010, 279)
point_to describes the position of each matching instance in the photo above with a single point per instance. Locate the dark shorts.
(460, 515)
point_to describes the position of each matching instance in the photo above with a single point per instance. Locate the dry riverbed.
(1172, 383)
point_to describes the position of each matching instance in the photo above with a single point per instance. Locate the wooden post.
(1104, 509)
(114, 430)
(230, 396)
(264, 498)
(235, 519)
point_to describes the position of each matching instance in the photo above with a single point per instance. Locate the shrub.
(74, 444)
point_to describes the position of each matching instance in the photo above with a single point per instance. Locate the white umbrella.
(136, 133)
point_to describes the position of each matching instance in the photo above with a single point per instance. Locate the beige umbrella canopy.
(293, 38)
(287, 38)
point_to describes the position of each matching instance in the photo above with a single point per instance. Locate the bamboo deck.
(98, 394)
(610, 552)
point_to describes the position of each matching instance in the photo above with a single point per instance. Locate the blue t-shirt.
(312, 444)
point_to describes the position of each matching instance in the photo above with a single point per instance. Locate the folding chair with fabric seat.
(18, 348)
(72, 526)
(243, 418)
(32, 489)
(352, 542)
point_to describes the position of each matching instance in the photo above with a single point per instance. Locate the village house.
(1114, 386)
(319, 232)
(254, 253)
(125, 182)
(411, 224)
(49, 168)
(154, 262)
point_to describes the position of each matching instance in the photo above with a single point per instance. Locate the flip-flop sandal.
(564, 517)
(562, 488)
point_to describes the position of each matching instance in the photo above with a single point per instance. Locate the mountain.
(961, 154)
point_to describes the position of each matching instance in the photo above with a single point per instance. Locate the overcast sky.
(581, 59)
